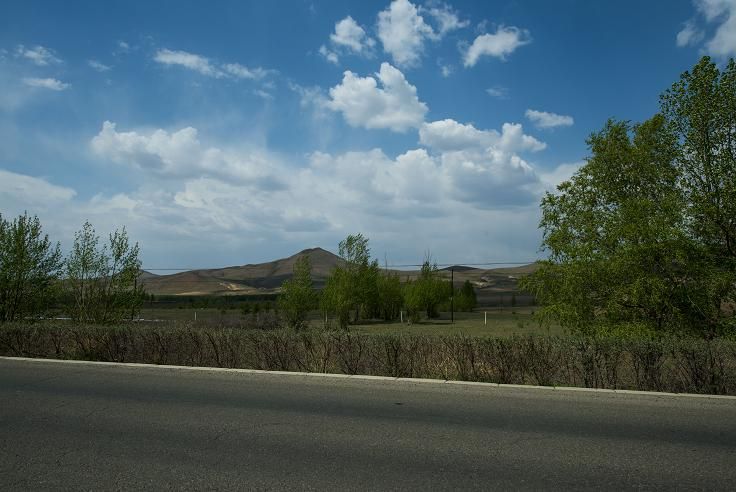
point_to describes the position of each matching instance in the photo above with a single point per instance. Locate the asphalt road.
(66, 426)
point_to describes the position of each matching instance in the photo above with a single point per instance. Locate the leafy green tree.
(29, 268)
(352, 286)
(701, 113)
(426, 293)
(298, 296)
(390, 296)
(337, 298)
(102, 282)
(641, 237)
(465, 297)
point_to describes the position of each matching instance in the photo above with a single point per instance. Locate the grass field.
(482, 322)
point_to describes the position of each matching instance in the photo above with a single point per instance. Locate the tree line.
(642, 239)
(96, 282)
(358, 290)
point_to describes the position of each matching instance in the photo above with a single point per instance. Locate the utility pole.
(452, 295)
(135, 296)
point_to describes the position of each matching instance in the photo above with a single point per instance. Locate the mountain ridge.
(267, 277)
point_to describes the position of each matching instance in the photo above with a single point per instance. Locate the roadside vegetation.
(642, 239)
(614, 362)
(638, 290)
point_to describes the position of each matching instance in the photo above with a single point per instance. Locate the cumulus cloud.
(329, 55)
(98, 66)
(229, 201)
(393, 105)
(205, 66)
(722, 13)
(543, 119)
(403, 31)
(447, 19)
(351, 36)
(498, 45)
(51, 84)
(549, 180)
(180, 154)
(448, 135)
(38, 55)
(14, 186)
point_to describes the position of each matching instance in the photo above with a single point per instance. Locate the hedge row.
(673, 365)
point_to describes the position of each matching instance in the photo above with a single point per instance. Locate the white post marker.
(401, 313)
(195, 315)
(485, 317)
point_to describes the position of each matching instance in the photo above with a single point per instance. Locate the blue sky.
(240, 132)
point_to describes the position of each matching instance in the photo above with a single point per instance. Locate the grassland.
(499, 322)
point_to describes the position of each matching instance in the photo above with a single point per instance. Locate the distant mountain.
(458, 268)
(266, 278)
(245, 279)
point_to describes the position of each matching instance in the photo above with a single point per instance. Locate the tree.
(336, 297)
(102, 282)
(29, 268)
(390, 295)
(640, 237)
(465, 297)
(426, 293)
(701, 113)
(352, 286)
(298, 296)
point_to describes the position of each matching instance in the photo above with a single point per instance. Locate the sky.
(227, 133)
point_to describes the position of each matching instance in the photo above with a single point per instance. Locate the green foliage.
(390, 296)
(465, 297)
(642, 235)
(29, 268)
(426, 293)
(102, 281)
(352, 286)
(298, 296)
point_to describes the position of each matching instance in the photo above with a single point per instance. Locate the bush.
(674, 365)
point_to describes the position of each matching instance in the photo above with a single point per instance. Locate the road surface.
(71, 426)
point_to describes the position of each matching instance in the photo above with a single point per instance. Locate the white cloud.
(228, 202)
(38, 55)
(205, 66)
(188, 60)
(447, 19)
(689, 34)
(499, 44)
(348, 34)
(448, 135)
(363, 103)
(498, 92)
(403, 31)
(514, 139)
(723, 43)
(99, 66)
(446, 70)
(180, 154)
(329, 55)
(543, 119)
(51, 84)
(549, 180)
(242, 72)
(31, 190)
(719, 12)
(123, 46)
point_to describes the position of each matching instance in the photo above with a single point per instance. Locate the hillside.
(266, 278)
(242, 280)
